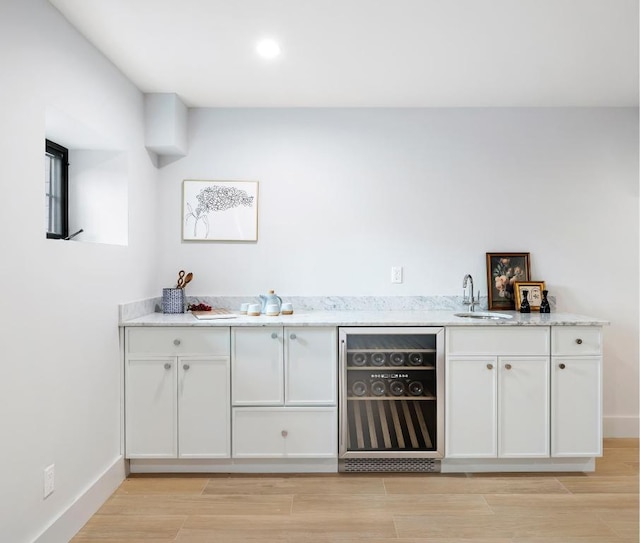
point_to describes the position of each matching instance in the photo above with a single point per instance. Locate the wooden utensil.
(187, 280)
(180, 279)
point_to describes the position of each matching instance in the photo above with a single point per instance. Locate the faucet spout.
(469, 300)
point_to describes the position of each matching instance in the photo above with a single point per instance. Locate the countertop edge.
(367, 318)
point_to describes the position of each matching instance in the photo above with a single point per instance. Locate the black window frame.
(62, 153)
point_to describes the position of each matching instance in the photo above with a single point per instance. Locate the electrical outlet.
(49, 480)
(396, 274)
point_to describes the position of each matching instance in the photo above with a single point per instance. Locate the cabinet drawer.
(285, 432)
(177, 340)
(576, 340)
(480, 341)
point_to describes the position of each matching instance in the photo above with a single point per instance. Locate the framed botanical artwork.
(503, 270)
(219, 210)
(534, 293)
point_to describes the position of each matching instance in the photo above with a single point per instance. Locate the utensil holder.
(172, 300)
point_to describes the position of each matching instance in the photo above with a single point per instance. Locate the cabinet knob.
(507, 366)
(176, 342)
(489, 366)
(274, 335)
(579, 341)
(293, 336)
(186, 366)
(284, 433)
(167, 366)
(562, 366)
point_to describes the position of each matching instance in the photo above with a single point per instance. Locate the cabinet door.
(471, 429)
(204, 418)
(576, 406)
(523, 407)
(285, 432)
(257, 373)
(150, 407)
(311, 365)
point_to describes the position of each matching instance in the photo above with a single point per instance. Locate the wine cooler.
(391, 398)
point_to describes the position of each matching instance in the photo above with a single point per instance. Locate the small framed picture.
(503, 270)
(534, 293)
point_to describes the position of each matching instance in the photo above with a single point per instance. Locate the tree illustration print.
(211, 200)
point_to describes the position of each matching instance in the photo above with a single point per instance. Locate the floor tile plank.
(158, 527)
(445, 484)
(198, 505)
(434, 504)
(605, 484)
(162, 485)
(503, 525)
(336, 484)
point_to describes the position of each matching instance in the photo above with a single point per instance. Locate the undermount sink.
(483, 315)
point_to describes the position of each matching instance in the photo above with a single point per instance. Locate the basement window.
(56, 181)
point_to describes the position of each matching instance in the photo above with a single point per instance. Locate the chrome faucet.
(469, 300)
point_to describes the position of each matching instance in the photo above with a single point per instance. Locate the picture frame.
(219, 210)
(503, 270)
(534, 297)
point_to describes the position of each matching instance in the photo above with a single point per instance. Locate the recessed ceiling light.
(268, 48)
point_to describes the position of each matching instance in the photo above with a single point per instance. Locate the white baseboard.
(273, 465)
(621, 426)
(515, 465)
(62, 529)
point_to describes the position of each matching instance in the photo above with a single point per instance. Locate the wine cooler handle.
(342, 402)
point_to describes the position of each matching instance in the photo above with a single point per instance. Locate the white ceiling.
(383, 53)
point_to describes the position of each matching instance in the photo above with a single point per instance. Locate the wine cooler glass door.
(391, 392)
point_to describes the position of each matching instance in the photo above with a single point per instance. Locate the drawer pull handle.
(176, 342)
(186, 366)
(274, 335)
(167, 366)
(489, 366)
(579, 341)
(507, 366)
(284, 433)
(562, 366)
(293, 336)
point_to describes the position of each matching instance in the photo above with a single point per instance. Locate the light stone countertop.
(368, 318)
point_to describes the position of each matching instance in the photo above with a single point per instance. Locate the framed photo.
(503, 270)
(219, 210)
(534, 296)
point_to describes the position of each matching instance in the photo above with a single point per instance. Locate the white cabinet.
(576, 392)
(310, 372)
(497, 393)
(203, 407)
(277, 432)
(284, 386)
(258, 365)
(471, 427)
(151, 419)
(177, 402)
(293, 365)
(523, 407)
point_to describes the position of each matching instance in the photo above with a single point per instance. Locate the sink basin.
(483, 315)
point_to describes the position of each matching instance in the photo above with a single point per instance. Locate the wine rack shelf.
(389, 426)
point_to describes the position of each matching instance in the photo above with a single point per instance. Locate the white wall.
(60, 383)
(347, 193)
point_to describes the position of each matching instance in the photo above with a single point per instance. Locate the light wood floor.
(594, 507)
